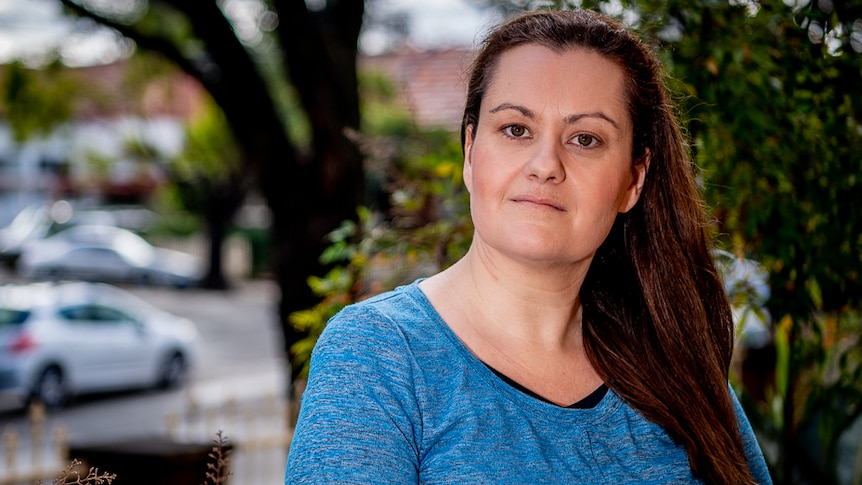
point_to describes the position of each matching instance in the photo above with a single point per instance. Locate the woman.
(585, 336)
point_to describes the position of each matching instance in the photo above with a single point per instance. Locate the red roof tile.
(433, 83)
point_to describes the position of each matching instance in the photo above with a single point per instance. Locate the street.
(239, 362)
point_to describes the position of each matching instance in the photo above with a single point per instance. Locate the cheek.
(483, 181)
(624, 192)
(609, 187)
(477, 172)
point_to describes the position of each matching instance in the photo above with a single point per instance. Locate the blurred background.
(248, 167)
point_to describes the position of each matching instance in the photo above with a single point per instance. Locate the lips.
(542, 201)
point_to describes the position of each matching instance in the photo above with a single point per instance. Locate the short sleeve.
(359, 421)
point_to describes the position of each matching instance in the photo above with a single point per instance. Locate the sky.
(30, 29)
(435, 23)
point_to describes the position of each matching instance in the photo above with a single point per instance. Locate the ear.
(640, 167)
(468, 158)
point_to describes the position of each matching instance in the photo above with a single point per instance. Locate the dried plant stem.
(218, 468)
(71, 476)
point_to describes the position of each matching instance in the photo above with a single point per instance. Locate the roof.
(178, 95)
(433, 83)
(105, 91)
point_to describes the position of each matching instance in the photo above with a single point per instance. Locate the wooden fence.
(34, 453)
(258, 433)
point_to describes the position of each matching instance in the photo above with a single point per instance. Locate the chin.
(540, 254)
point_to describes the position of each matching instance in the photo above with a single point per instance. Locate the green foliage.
(423, 225)
(776, 129)
(379, 254)
(143, 70)
(210, 150)
(159, 19)
(172, 221)
(381, 110)
(209, 164)
(777, 132)
(825, 394)
(35, 101)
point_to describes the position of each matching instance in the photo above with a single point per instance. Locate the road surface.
(240, 363)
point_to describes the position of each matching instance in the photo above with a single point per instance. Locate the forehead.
(575, 79)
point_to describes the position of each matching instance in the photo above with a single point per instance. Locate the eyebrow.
(569, 119)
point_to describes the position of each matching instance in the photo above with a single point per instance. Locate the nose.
(546, 163)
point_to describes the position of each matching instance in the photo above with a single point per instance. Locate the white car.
(32, 223)
(39, 221)
(58, 340)
(107, 253)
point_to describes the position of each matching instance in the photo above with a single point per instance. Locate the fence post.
(36, 412)
(10, 443)
(42, 463)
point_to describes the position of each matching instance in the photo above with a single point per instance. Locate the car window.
(76, 313)
(92, 254)
(109, 314)
(92, 313)
(11, 317)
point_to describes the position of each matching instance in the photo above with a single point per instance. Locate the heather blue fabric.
(394, 397)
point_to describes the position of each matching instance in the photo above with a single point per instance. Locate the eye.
(585, 140)
(515, 131)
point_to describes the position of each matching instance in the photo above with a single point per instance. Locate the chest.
(480, 439)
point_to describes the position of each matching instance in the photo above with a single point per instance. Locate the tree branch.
(149, 42)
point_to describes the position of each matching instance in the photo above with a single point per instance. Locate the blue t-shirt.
(394, 397)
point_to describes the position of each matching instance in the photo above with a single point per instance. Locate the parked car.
(39, 221)
(106, 253)
(58, 340)
(32, 223)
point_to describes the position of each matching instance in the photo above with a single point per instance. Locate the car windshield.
(30, 220)
(11, 317)
(134, 247)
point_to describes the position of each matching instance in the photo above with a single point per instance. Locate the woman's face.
(549, 165)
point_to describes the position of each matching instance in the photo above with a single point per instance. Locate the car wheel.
(173, 372)
(50, 389)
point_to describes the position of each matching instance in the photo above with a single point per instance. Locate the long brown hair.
(657, 323)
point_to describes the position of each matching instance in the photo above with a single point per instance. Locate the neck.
(535, 304)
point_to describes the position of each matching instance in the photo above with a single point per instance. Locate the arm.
(359, 421)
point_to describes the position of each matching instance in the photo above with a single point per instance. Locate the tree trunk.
(220, 205)
(309, 195)
(320, 50)
(214, 278)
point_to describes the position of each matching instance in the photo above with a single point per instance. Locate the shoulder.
(398, 317)
(387, 330)
(360, 405)
(404, 302)
(753, 453)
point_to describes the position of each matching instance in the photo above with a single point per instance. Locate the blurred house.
(112, 150)
(432, 83)
(89, 159)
